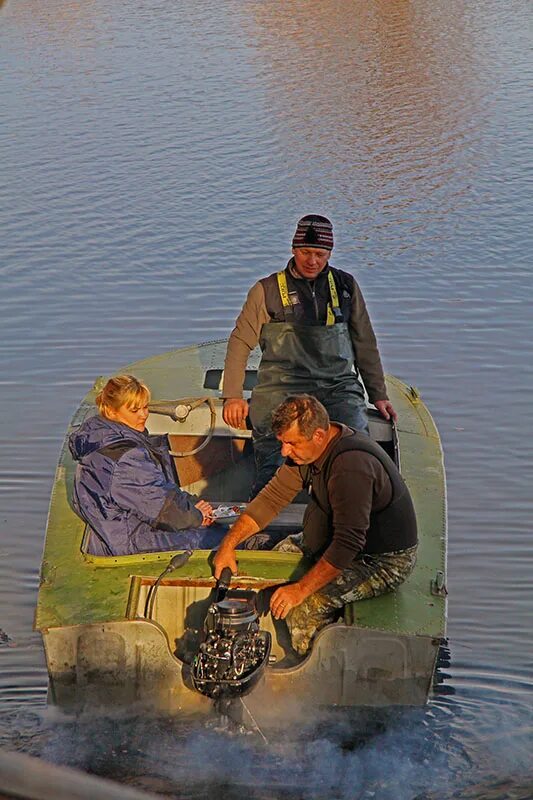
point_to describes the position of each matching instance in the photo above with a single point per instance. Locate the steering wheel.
(179, 410)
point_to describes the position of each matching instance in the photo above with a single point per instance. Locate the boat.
(25, 777)
(126, 630)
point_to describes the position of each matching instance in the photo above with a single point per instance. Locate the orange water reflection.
(388, 91)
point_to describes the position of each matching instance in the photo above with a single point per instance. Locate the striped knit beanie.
(314, 231)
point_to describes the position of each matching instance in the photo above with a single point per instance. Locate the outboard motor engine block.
(235, 652)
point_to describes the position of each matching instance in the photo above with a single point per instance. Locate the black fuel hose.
(175, 562)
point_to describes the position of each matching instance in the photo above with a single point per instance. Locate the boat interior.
(181, 605)
(216, 463)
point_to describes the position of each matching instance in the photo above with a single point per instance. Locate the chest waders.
(296, 359)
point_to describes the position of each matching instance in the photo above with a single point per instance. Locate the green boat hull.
(100, 649)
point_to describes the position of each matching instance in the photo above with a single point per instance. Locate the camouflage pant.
(371, 575)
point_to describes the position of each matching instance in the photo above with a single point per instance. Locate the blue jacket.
(125, 487)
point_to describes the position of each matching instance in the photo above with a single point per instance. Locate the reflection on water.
(389, 98)
(156, 157)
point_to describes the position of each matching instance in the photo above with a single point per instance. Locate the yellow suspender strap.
(286, 300)
(330, 319)
(284, 290)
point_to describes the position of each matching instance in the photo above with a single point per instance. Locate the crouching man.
(359, 528)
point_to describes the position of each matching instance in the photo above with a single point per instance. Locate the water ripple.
(155, 159)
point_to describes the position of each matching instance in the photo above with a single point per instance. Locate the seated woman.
(125, 487)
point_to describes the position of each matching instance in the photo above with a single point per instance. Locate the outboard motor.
(235, 652)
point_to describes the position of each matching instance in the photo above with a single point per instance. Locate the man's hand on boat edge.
(386, 409)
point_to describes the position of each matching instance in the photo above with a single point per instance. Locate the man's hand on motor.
(224, 557)
(207, 511)
(386, 409)
(285, 598)
(235, 411)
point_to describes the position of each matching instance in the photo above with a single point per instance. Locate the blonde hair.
(122, 390)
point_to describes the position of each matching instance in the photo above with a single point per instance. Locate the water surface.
(155, 159)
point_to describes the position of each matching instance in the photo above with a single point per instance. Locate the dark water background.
(155, 158)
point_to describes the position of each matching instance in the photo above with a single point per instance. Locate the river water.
(155, 159)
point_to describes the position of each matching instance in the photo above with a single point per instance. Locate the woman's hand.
(207, 512)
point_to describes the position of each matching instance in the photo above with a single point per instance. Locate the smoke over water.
(418, 754)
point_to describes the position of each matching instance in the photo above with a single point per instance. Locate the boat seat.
(213, 379)
(290, 519)
(221, 454)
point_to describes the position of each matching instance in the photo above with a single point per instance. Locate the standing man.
(315, 334)
(359, 527)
